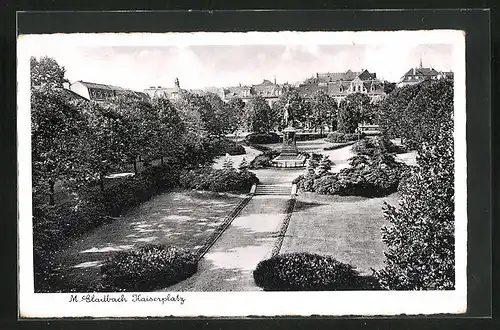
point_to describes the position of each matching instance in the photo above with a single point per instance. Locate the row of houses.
(336, 84)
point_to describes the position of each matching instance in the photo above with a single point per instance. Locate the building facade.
(171, 93)
(270, 91)
(341, 84)
(417, 75)
(101, 92)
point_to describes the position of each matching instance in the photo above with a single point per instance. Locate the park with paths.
(345, 227)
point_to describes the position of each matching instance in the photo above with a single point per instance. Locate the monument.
(289, 155)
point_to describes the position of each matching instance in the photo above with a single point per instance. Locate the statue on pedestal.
(288, 115)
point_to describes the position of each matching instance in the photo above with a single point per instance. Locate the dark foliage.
(264, 160)
(148, 268)
(225, 146)
(223, 180)
(420, 239)
(372, 173)
(304, 272)
(263, 138)
(339, 137)
(309, 136)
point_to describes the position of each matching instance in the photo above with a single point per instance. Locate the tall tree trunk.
(135, 166)
(51, 192)
(161, 159)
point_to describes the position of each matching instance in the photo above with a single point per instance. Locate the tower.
(177, 83)
(420, 64)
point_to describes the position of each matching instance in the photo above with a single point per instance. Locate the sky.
(198, 66)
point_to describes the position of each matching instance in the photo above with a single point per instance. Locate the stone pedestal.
(289, 156)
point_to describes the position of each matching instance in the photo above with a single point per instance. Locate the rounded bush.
(304, 272)
(263, 138)
(339, 137)
(148, 268)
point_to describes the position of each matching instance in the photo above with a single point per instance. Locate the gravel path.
(229, 264)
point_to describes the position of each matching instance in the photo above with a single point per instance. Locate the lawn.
(346, 227)
(179, 218)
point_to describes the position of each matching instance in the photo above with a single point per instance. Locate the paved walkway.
(229, 264)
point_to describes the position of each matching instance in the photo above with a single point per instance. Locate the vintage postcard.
(242, 174)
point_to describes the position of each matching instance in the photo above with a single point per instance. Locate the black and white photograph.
(236, 174)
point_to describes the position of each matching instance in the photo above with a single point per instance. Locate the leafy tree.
(108, 142)
(141, 122)
(237, 107)
(425, 113)
(301, 109)
(393, 109)
(227, 115)
(258, 115)
(324, 111)
(189, 108)
(57, 131)
(46, 73)
(170, 130)
(354, 109)
(389, 87)
(420, 239)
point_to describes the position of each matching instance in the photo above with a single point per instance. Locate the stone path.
(229, 264)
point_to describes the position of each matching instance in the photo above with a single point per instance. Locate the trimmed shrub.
(224, 180)
(339, 137)
(367, 176)
(309, 136)
(304, 272)
(263, 160)
(262, 138)
(148, 268)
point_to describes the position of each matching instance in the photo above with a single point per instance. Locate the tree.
(420, 239)
(226, 118)
(108, 142)
(324, 166)
(389, 87)
(141, 122)
(354, 109)
(195, 132)
(393, 109)
(301, 109)
(58, 132)
(258, 115)
(237, 107)
(170, 130)
(228, 163)
(324, 111)
(243, 165)
(46, 73)
(425, 113)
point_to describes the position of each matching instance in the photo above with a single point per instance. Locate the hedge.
(263, 138)
(304, 272)
(148, 268)
(339, 137)
(224, 180)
